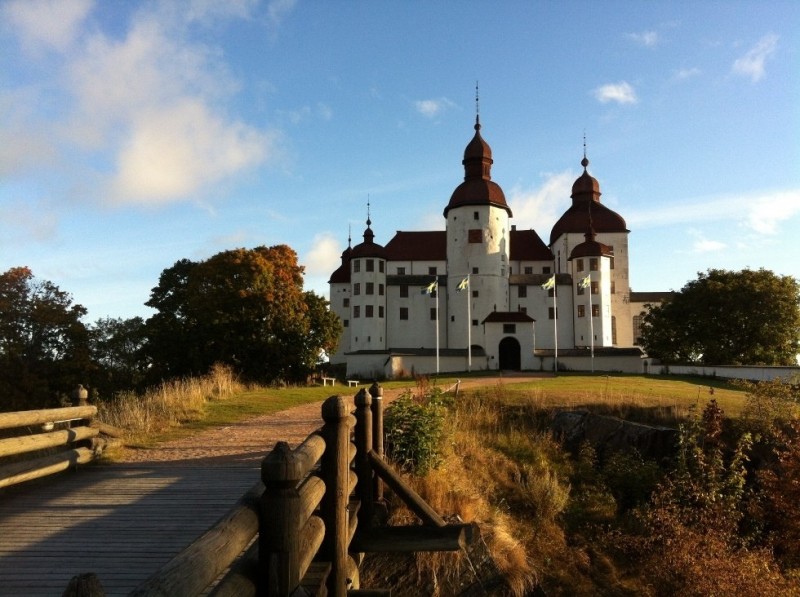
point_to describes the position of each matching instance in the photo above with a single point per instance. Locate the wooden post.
(376, 391)
(363, 437)
(335, 473)
(80, 396)
(279, 524)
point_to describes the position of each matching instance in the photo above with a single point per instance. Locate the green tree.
(44, 346)
(748, 317)
(243, 307)
(118, 351)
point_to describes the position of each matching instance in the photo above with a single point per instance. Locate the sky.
(134, 134)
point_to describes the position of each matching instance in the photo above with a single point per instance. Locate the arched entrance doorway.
(510, 354)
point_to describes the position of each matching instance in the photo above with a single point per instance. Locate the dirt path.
(247, 441)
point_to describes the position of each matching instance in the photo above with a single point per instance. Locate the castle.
(484, 294)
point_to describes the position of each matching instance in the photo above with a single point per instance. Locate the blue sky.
(134, 134)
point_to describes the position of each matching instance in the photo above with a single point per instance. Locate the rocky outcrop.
(609, 434)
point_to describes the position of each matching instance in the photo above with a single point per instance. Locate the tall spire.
(369, 222)
(369, 235)
(584, 161)
(477, 107)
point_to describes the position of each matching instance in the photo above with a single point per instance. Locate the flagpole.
(469, 325)
(591, 323)
(555, 324)
(437, 327)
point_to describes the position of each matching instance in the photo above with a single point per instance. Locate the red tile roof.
(417, 246)
(527, 245)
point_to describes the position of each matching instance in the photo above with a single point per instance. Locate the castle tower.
(368, 294)
(588, 213)
(590, 266)
(478, 246)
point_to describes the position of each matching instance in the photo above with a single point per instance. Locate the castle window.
(370, 288)
(475, 270)
(551, 292)
(613, 330)
(595, 288)
(346, 323)
(433, 313)
(546, 269)
(475, 235)
(580, 289)
(357, 288)
(528, 269)
(380, 289)
(368, 311)
(581, 310)
(370, 265)
(551, 313)
(595, 310)
(346, 303)
(356, 312)
(475, 215)
(475, 294)
(593, 264)
(380, 266)
(432, 271)
(380, 311)
(611, 260)
(475, 322)
(579, 265)
(404, 291)
(523, 309)
(356, 265)
(637, 329)
(401, 271)
(523, 292)
(613, 288)
(403, 313)
(509, 328)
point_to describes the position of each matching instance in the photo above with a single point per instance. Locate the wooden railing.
(44, 442)
(311, 518)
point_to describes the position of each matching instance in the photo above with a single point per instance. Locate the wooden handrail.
(79, 442)
(303, 512)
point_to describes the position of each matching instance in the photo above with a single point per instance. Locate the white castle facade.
(484, 294)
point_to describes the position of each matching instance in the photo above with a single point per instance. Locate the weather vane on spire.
(477, 100)
(369, 221)
(585, 160)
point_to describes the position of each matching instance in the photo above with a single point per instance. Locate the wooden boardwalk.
(120, 521)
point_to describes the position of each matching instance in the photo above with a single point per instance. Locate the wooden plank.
(120, 522)
(24, 418)
(41, 441)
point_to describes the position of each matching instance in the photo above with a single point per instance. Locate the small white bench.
(325, 381)
(352, 383)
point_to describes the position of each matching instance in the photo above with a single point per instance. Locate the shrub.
(414, 429)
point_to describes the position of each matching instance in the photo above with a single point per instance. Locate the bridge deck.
(121, 522)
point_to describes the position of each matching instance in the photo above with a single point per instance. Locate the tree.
(245, 308)
(44, 346)
(118, 351)
(727, 318)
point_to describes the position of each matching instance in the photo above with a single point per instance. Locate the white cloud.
(430, 108)
(179, 150)
(540, 207)
(324, 256)
(645, 38)
(705, 245)
(686, 73)
(622, 93)
(46, 23)
(753, 62)
(761, 213)
(148, 103)
(766, 212)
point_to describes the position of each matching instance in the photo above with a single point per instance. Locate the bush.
(414, 429)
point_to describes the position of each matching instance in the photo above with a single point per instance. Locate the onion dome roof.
(369, 248)
(591, 248)
(342, 273)
(586, 210)
(478, 187)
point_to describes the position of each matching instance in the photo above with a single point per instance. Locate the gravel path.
(248, 441)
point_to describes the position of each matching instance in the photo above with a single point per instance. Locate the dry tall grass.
(169, 404)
